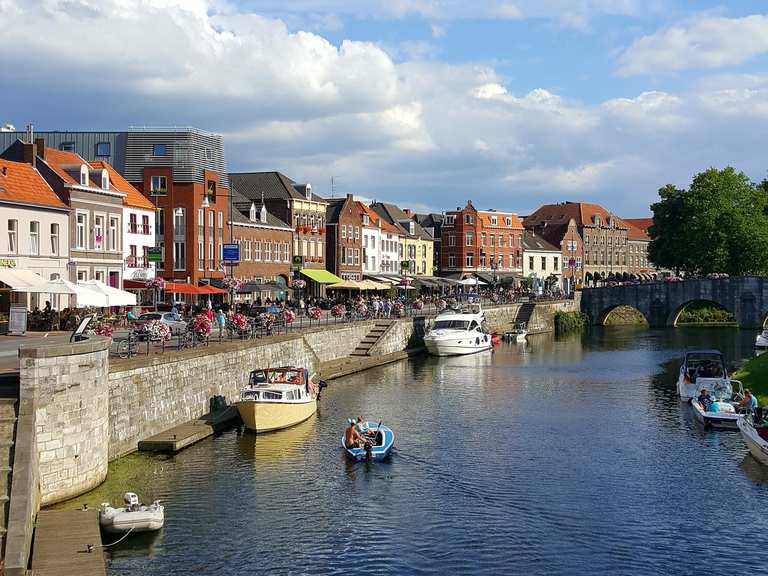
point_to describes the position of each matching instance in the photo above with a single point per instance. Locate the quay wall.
(88, 411)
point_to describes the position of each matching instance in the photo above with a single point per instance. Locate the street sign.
(298, 262)
(404, 265)
(155, 254)
(231, 252)
(572, 263)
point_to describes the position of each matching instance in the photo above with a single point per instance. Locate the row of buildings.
(124, 207)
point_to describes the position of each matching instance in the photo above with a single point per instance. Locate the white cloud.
(437, 31)
(508, 11)
(585, 177)
(706, 42)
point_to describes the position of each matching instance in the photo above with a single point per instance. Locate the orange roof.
(376, 219)
(636, 233)
(133, 197)
(57, 159)
(485, 219)
(641, 223)
(581, 212)
(22, 183)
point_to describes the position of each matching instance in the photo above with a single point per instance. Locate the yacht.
(754, 430)
(701, 369)
(761, 341)
(278, 398)
(458, 332)
(518, 334)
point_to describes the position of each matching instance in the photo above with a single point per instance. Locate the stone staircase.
(373, 336)
(525, 312)
(9, 392)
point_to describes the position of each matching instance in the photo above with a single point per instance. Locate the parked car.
(175, 322)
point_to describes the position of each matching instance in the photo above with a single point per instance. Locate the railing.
(136, 228)
(136, 262)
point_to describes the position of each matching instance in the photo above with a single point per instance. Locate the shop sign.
(7, 263)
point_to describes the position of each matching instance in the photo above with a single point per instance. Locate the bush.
(568, 322)
(705, 314)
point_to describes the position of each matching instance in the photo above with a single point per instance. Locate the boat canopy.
(282, 375)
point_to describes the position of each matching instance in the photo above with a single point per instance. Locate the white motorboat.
(722, 411)
(701, 369)
(754, 430)
(132, 516)
(518, 334)
(457, 332)
(761, 341)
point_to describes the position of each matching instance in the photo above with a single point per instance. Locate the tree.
(720, 224)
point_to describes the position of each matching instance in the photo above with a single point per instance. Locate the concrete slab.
(183, 435)
(61, 544)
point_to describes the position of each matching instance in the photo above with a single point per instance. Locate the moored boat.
(278, 398)
(754, 430)
(761, 341)
(457, 332)
(380, 443)
(518, 334)
(701, 369)
(133, 517)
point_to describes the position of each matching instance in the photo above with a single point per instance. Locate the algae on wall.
(570, 322)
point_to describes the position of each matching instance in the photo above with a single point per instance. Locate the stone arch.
(675, 314)
(605, 314)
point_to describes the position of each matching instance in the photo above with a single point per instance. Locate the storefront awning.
(181, 288)
(210, 290)
(321, 276)
(20, 280)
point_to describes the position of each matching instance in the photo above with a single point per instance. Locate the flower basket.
(289, 316)
(102, 329)
(240, 321)
(300, 284)
(156, 283)
(321, 230)
(406, 282)
(267, 320)
(362, 310)
(315, 313)
(494, 297)
(232, 284)
(418, 305)
(441, 304)
(398, 309)
(202, 325)
(158, 331)
(338, 310)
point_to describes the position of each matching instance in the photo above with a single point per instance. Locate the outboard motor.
(758, 415)
(131, 502)
(321, 385)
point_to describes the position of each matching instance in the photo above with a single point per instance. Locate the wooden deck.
(183, 435)
(61, 544)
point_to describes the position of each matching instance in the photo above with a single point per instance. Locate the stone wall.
(403, 334)
(68, 385)
(345, 339)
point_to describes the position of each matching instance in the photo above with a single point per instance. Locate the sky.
(425, 103)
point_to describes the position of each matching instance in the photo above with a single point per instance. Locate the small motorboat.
(754, 430)
(761, 341)
(723, 411)
(701, 369)
(132, 516)
(380, 444)
(459, 332)
(518, 334)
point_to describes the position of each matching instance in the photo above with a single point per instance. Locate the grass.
(705, 313)
(754, 375)
(567, 322)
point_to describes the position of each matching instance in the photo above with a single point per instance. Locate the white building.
(138, 227)
(381, 244)
(541, 260)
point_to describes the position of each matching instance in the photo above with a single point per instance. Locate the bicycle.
(128, 347)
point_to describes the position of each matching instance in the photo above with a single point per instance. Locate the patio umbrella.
(346, 285)
(472, 282)
(115, 296)
(84, 295)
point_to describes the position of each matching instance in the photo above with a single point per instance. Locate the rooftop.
(22, 183)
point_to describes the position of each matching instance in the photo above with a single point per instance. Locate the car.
(175, 322)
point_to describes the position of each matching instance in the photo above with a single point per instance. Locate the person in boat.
(748, 403)
(704, 399)
(352, 438)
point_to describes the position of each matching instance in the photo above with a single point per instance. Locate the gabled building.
(344, 240)
(637, 245)
(35, 231)
(542, 261)
(416, 250)
(486, 243)
(381, 243)
(433, 224)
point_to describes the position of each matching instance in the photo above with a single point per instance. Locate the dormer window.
(411, 228)
(263, 214)
(83, 175)
(494, 222)
(596, 219)
(309, 191)
(508, 221)
(104, 180)
(252, 215)
(366, 220)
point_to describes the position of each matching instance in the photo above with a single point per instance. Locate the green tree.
(720, 224)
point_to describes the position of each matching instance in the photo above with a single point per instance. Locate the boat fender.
(477, 341)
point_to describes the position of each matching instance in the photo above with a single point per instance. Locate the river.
(568, 456)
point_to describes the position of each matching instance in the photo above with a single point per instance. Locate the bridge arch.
(626, 309)
(674, 316)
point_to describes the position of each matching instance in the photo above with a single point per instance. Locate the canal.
(568, 456)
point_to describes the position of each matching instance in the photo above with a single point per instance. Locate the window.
(200, 254)
(469, 219)
(277, 252)
(452, 240)
(83, 175)
(82, 275)
(210, 190)
(508, 221)
(366, 220)
(145, 224)
(160, 220)
(208, 154)
(54, 239)
(104, 180)
(113, 227)
(493, 240)
(133, 226)
(103, 149)
(13, 236)
(98, 232)
(67, 146)
(158, 150)
(257, 250)
(210, 253)
(494, 221)
(286, 252)
(343, 232)
(268, 250)
(556, 263)
(34, 237)
(470, 259)
(179, 222)
(81, 223)
(357, 232)
(543, 263)
(132, 258)
(304, 248)
(158, 185)
(247, 251)
(451, 260)
(470, 239)
(179, 256)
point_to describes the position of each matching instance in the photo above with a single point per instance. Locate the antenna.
(333, 187)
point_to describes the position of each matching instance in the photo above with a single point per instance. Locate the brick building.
(638, 241)
(487, 243)
(344, 245)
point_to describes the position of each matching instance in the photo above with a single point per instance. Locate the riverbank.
(754, 376)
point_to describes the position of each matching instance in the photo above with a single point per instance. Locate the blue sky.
(422, 102)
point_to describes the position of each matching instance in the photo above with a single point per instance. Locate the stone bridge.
(746, 297)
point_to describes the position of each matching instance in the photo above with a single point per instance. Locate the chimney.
(28, 153)
(349, 197)
(40, 148)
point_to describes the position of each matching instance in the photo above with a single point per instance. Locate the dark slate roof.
(430, 220)
(394, 215)
(536, 242)
(271, 184)
(333, 209)
(242, 211)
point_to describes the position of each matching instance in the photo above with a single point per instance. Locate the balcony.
(136, 228)
(136, 262)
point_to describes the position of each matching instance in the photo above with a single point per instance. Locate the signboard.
(17, 321)
(404, 265)
(572, 263)
(298, 262)
(155, 254)
(77, 335)
(231, 252)
(7, 263)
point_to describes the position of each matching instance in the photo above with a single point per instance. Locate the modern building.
(484, 243)
(344, 240)
(416, 245)
(542, 261)
(381, 243)
(265, 249)
(182, 170)
(35, 232)
(637, 248)
(603, 235)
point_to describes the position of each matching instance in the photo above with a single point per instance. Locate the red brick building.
(344, 240)
(488, 242)
(637, 249)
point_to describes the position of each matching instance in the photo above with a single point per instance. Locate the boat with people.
(457, 332)
(375, 441)
(518, 334)
(278, 398)
(761, 341)
(132, 516)
(754, 431)
(702, 369)
(719, 407)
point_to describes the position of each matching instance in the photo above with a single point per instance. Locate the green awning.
(321, 276)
